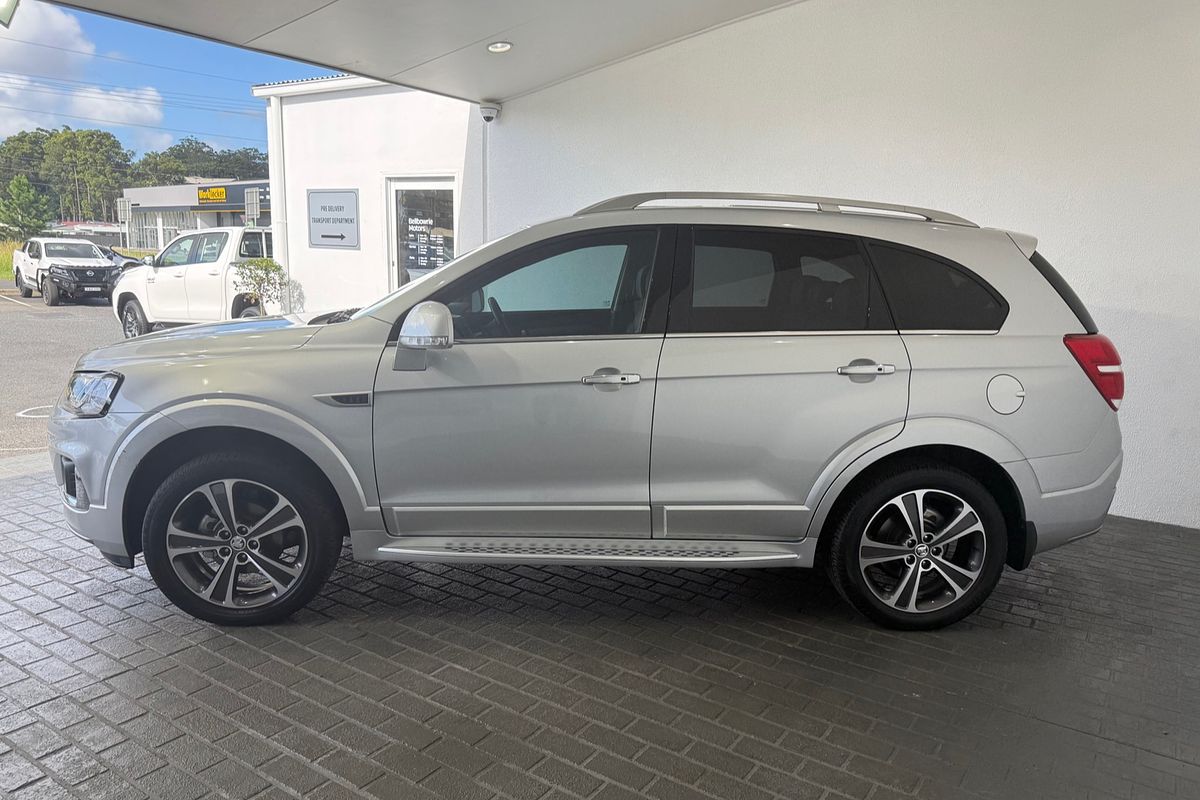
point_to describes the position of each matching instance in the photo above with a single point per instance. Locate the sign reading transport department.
(333, 218)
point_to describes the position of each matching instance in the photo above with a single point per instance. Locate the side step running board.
(612, 552)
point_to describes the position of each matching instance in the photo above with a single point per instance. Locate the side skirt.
(375, 546)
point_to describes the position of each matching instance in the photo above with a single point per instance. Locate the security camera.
(489, 111)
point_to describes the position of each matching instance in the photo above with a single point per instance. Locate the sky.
(65, 67)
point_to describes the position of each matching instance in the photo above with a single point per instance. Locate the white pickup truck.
(63, 269)
(192, 280)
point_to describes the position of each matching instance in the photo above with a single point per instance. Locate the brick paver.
(1079, 678)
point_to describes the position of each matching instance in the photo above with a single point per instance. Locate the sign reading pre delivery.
(333, 218)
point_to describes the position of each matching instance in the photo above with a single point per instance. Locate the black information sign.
(424, 229)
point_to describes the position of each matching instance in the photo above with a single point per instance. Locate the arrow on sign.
(331, 236)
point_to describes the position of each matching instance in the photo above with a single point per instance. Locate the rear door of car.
(780, 352)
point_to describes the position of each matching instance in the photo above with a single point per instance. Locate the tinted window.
(252, 245)
(592, 285)
(747, 280)
(208, 251)
(1065, 292)
(927, 293)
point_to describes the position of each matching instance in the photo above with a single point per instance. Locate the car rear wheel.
(50, 293)
(133, 320)
(20, 281)
(251, 311)
(232, 539)
(920, 548)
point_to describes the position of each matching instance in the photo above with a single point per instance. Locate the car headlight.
(89, 394)
(59, 270)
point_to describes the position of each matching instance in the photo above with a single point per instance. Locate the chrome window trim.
(948, 333)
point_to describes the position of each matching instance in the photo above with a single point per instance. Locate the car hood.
(78, 262)
(198, 342)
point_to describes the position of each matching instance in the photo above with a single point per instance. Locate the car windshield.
(72, 250)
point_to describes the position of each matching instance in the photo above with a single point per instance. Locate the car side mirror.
(428, 326)
(148, 261)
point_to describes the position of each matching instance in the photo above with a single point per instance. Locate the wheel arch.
(174, 451)
(978, 451)
(124, 294)
(241, 302)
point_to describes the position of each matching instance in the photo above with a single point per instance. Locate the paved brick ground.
(1080, 678)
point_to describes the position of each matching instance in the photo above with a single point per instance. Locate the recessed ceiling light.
(499, 47)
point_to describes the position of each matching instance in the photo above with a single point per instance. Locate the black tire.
(873, 521)
(20, 281)
(323, 529)
(133, 319)
(250, 311)
(50, 293)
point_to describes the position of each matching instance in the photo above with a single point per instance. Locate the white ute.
(193, 279)
(62, 269)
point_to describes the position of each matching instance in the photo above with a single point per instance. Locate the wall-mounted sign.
(211, 194)
(424, 229)
(333, 218)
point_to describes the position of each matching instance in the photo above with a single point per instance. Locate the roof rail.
(629, 202)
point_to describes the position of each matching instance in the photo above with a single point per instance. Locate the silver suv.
(894, 394)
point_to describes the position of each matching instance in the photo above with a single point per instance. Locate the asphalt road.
(38, 347)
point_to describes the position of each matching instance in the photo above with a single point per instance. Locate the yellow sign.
(212, 194)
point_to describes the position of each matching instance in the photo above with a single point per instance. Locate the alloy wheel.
(922, 550)
(130, 320)
(237, 543)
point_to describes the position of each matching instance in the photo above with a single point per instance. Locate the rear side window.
(747, 280)
(927, 293)
(1065, 292)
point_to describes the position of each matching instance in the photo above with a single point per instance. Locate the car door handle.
(618, 378)
(867, 369)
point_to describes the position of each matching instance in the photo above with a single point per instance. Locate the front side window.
(177, 253)
(34, 250)
(589, 285)
(748, 280)
(928, 293)
(209, 247)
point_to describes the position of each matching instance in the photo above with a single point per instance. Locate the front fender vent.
(345, 399)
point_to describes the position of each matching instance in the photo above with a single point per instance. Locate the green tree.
(23, 212)
(157, 169)
(86, 169)
(22, 154)
(201, 159)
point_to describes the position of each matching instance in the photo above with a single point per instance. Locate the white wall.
(1075, 120)
(357, 139)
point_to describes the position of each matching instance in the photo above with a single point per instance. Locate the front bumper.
(78, 288)
(82, 454)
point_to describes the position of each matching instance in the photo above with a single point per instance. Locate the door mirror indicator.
(428, 326)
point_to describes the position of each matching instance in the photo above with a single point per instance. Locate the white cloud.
(27, 101)
(121, 106)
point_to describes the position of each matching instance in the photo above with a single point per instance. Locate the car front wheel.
(920, 548)
(50, 293)
(232, 539)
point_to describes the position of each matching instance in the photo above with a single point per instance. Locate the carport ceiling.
(441, 45)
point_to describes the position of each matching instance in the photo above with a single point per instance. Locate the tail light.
(1100, 360)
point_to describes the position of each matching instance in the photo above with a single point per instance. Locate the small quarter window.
(927, 293)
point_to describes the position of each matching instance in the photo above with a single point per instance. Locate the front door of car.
(166, 289)
(779, 354)
(537, 421)
(206, 278)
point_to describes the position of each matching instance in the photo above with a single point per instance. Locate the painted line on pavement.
(14, 300)
(26, 415)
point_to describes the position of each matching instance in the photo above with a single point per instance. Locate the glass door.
(421, 219)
